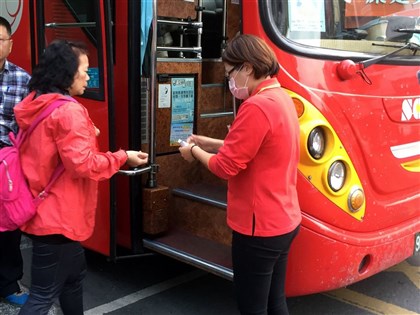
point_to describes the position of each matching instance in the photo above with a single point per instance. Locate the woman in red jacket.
(67, 215)
(259, 158)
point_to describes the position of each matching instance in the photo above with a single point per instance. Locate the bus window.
(76, 20)
(356, 26)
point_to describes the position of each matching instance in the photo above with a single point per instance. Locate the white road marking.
(145, 293)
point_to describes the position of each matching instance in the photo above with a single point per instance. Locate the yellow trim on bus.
(316, 170)
(412, 166)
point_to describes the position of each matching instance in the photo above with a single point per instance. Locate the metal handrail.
(171, 48)
(216, 115)
(152, 179)
(68, 25)
(182, 23)
(136, 171)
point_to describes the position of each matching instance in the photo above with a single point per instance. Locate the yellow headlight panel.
(350, 198)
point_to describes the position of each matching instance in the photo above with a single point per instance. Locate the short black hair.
(57, 67)
(6, 24)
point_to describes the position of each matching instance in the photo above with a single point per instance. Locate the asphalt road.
(157, 285)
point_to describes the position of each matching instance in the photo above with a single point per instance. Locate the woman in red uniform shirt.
(259, 158)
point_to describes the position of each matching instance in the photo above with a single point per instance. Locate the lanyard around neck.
(271, 86)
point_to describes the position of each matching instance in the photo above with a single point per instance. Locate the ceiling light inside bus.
(337, 175)
(316, 143)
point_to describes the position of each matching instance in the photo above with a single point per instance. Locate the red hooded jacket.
(67, 134)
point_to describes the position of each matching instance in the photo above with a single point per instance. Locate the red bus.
(353, 70)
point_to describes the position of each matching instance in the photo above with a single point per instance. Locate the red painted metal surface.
(18, 16)
(333, 249)
(329, 251)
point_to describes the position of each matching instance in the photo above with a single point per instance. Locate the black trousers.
(57, 271)
(11, 263)
(259, 268)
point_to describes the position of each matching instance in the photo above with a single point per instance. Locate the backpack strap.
(22, 135)
(57, 173)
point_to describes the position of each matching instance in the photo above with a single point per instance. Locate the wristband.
(191, 151)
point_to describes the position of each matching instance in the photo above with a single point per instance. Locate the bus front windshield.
(351, 26)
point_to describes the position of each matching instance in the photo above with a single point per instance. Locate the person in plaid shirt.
(13, 88)
(13, 85)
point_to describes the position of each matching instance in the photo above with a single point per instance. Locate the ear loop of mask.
(239, 93)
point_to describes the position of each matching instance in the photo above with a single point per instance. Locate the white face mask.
(239, 93)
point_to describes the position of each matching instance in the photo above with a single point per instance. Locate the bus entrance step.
(202, 253)
(211, 194)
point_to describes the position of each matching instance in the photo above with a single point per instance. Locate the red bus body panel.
(333, 249)
(18, 16)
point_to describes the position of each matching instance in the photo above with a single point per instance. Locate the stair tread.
(208, 193)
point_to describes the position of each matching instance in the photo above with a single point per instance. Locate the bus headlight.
(337, 175)
(316, 143)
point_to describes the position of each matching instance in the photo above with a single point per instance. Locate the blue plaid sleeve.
(13, 89)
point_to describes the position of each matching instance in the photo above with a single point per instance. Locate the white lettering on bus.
(410, 109)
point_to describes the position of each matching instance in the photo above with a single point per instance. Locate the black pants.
(58, 269)
(11, 263)
(259, 268)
